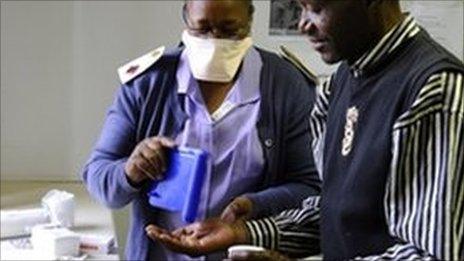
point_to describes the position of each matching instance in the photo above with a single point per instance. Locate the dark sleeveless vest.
(352, 216)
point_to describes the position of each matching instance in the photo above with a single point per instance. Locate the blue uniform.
(152, 105)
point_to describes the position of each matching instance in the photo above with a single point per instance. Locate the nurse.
(218, 92)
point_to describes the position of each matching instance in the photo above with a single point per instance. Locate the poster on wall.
(284, 18)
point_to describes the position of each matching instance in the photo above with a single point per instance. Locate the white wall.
(58, 73)
(36, 83)
(107, 35)
(58, 67)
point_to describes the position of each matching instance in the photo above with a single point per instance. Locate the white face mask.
(215, 60)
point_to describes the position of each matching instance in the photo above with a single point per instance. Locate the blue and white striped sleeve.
(294, 232)
(317, 123)
(424, 201)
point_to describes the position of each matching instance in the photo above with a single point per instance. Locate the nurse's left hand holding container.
(148, 160)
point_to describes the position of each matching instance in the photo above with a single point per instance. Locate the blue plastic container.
(180, 190)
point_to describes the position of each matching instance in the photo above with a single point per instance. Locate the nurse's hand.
(239, 208)
(201, 238)
(148, 160)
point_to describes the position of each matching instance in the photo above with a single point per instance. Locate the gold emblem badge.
(351, 120)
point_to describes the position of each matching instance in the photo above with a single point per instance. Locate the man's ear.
(252, 11)
(184, 13)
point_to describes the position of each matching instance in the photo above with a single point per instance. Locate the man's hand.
(239, 208)
(201, 238)
(148, 160)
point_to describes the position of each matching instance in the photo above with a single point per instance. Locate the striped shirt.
(424, 195)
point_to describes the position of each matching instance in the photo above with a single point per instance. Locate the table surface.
(90, 216)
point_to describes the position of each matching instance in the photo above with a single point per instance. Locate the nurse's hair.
(248, 4)
(394, 2)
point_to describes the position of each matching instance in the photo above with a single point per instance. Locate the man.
(244, 106)
(388, 133)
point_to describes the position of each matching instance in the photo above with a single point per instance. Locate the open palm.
(199, 238)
